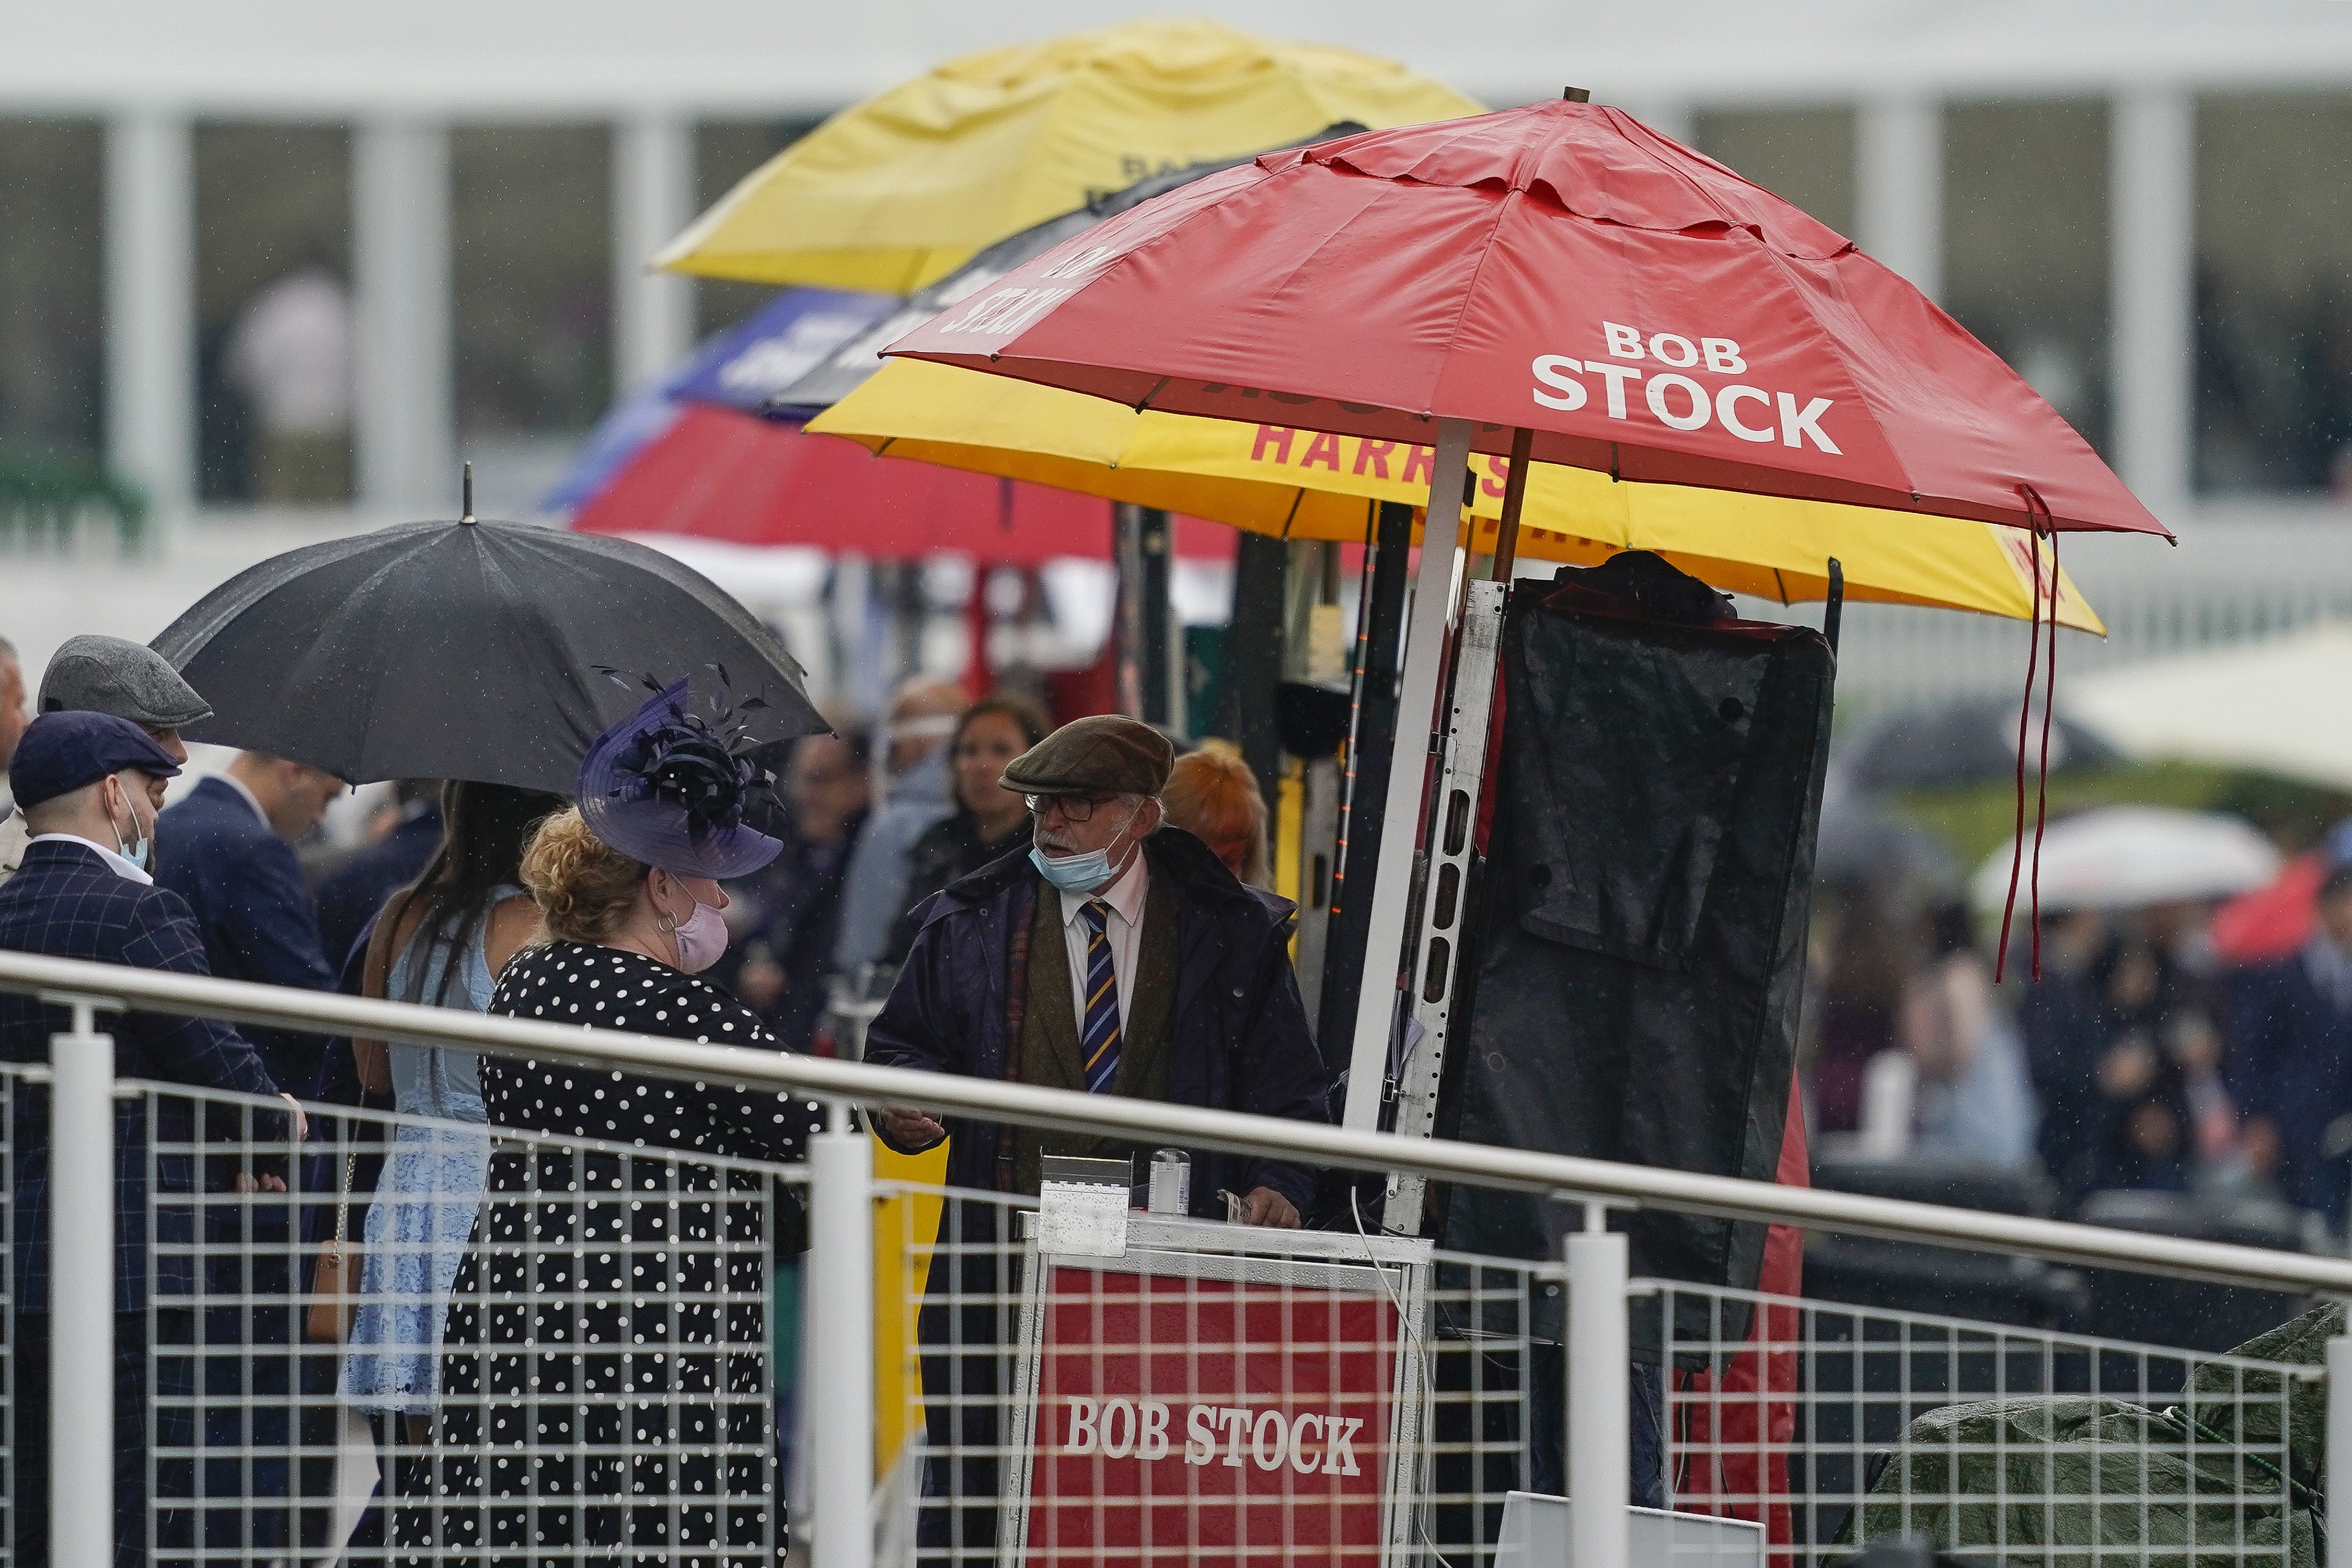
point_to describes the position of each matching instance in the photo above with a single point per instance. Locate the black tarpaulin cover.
(1640, 949)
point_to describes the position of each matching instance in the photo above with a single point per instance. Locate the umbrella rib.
(1470, 290)
(1837, 347)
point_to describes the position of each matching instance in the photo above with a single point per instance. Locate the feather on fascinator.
(667, 786)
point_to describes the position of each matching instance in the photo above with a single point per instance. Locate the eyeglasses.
(1072, 808)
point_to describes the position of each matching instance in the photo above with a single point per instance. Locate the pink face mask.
(700, 938)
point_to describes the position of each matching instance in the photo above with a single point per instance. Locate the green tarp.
(2073, 1481)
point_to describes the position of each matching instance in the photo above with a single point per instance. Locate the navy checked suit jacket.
(67, 903)
(254, 914)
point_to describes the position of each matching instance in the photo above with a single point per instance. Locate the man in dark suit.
(90, 786)
(227, 849)
(2291, 1066)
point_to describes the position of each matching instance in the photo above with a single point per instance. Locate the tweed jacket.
(66, 901)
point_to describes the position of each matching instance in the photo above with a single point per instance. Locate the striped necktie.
(1099, 1043)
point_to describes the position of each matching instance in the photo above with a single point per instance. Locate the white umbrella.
(2125, 856)
(2282, 705)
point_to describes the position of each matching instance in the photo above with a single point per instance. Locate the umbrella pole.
(1253, 658)
(1425, 659)
(1371, 742)
(1515, 495)
(1147, 671)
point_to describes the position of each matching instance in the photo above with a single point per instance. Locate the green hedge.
(46, 499)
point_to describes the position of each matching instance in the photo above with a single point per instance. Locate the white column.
(400, 247)
(1899, 188)
(151, 328)
(653, 199)
(2152, 247)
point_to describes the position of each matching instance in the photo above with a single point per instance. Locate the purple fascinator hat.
(667, 786)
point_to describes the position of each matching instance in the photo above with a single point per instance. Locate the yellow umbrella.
(902, 189)
(1299, 484)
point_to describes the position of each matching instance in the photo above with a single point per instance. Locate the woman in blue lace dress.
(443, 941)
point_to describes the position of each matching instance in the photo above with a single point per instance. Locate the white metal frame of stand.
(1458, 740)
(1424, 660)
(1437, 946)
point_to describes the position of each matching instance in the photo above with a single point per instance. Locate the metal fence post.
(2339, 1451)
(81, 1295)
(841, 1342)
(1600, 1457)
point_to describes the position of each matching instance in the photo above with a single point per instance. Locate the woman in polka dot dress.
(604, 1378)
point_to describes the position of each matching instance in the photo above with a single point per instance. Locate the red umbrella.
(2269, 923)
(1555, 281)
(1559, 268)
(719, 474)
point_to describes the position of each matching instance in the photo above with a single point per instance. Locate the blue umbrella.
(741, 368)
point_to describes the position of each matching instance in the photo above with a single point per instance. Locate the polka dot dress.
(604, 1377)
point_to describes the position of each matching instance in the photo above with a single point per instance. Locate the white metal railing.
(2237, 575)
(840, 1268)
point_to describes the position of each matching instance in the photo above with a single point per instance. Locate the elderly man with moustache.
(1140, 964)
(1114, 956)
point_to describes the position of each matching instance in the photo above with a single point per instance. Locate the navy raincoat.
(1238, 1037)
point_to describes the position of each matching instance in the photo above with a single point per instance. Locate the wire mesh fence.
(1836, 1426)
(1218, 1395)
(1213, 1393)
(545, 1351)
(535, 1350)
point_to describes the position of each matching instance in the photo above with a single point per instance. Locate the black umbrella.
(467, 650)
(1966, 742)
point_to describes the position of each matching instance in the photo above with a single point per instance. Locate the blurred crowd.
(2144, 1058)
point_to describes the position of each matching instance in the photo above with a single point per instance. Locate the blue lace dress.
(423, 1213)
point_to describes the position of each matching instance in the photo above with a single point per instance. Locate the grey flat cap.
(130, 681)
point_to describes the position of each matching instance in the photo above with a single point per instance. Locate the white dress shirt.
(130, 870)
(1124, 929)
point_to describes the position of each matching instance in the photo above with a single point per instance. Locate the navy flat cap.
(60, 752)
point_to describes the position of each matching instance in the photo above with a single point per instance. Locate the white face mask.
(140, 849)
(700, 939)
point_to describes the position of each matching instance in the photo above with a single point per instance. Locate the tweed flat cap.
(1107, 755)
(93, 674)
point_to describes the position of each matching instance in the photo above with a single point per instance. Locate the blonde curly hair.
(583, 885)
